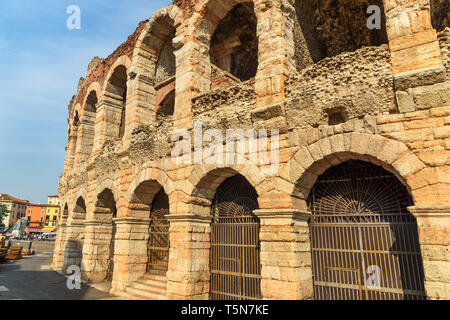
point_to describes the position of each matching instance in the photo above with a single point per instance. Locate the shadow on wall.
(73, 254)
(440, 14)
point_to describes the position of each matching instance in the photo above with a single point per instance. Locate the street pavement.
(31, 278)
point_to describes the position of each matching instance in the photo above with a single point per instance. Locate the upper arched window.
(117, 85)
(440, 14)
(91, 102)
(234, 44)
(325, 28)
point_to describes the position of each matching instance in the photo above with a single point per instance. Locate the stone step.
(153, 283)
(149, 288)
(138, 294)
(156, 277)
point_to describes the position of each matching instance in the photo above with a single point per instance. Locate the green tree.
(3, 213)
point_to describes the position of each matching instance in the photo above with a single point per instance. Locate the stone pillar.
(107, 123)
(71, 148)
(85, 139)
(58, 252)
(192, 78)
(73, 243)
(433, 222)
(188, 274)
(96, 250)
(276, 50)
(141, 104)
(130, 256)
(412, 40)
(286, 269)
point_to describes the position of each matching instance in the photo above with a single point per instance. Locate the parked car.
(47, 236)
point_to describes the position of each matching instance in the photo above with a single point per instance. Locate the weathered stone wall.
(165, 66)
(394, 107)
(444, 42)
(325, 28)
(355, 84)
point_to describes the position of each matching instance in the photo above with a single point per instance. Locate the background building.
(42, 217)
(54, 200)
(16, 207)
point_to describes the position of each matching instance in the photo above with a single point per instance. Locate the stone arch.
(154, 175)
(234, 43)
(152, 39)
(311, 161)
(93, 88)
(154, 62)
(77, 114)
(79, 208)
(204, 23)
(325, 29)
(87, 129)
(206, 179)
(121, 61)
(64, 213)
(110, 185)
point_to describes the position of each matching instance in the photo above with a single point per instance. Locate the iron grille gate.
(234, 259)
(158, 244)
(364, 242)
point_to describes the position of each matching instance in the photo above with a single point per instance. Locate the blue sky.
(41, 62)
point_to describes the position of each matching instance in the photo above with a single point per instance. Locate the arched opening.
(440, 14)
(76, 119)
(117, 87)
(326, 28)
(106, 206)
(88, 132)
(91, 102)
(64, 214)
(234, 44)
(151, 201)
(158, 243)
(166, 65)
(364, 242)
(166, 108)
(80, 209)
(235, 253)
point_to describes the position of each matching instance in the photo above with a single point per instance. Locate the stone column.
(70, 149)
(276, 50)
(140, 104)
(286, 269)
(85, 139)
(96, 250)
(130, 256)
(412, 40)
(192, 78)
(433, 222)
(73, 243)
(107, 123)
(58, 252)
(188, 274)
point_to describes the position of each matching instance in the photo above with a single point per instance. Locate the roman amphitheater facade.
(359, 205)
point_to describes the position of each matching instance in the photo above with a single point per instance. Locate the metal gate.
(364, 242)
(234, 259)
(158, 244)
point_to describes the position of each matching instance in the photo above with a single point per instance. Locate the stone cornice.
(438, 211)
(188, 218)
(76, 223)
(294, 214)
(97, 223)
(131, 220)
